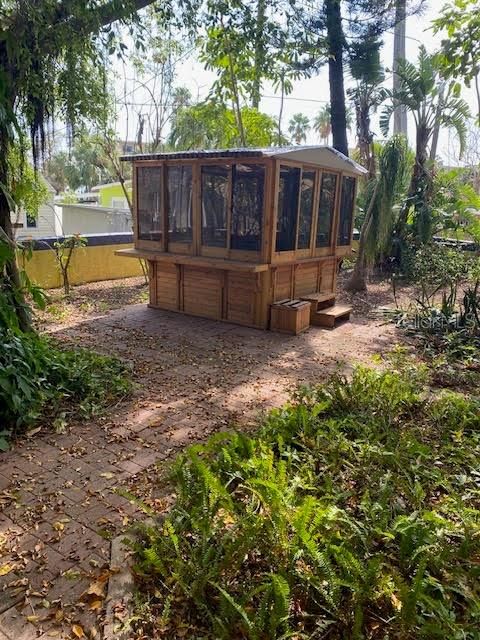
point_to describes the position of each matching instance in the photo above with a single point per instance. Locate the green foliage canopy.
(210, 125)
(460, 53)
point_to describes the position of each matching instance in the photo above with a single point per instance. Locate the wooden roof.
(317, 155)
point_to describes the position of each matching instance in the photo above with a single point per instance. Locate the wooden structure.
(227, 234)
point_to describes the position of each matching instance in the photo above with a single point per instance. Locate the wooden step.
(319, 300)
(332, 316)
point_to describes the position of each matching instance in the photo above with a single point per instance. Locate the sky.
(308, 95)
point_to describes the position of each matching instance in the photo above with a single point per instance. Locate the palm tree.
(432, 103)
(322, 124)
(384, 192)
(367, 95)
(298, 127)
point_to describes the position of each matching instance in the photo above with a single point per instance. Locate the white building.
(45, 225)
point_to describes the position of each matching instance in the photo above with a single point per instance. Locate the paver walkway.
(61, 494)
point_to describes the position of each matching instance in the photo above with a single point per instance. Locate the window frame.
(141, 243)
(278, 257)
(342, 250)
(245, 254)
(196, 248)
(184, 248)
(307, 252)
(287, 165)
(206, 250)
(33, 219)
(319, 252)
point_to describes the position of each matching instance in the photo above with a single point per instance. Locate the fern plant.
(352, 514)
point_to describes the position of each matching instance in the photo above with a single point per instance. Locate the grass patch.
(353, 513)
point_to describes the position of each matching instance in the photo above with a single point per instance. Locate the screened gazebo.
(250, 236)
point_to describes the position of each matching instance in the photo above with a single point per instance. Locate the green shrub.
(39, 381)
(352, 514)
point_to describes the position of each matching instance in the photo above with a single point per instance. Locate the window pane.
(31, 220)
(306, 209)
(214, 205)
(346, 211)
(149, 198)
(179, 184)
(247, 206)
(326, 209)
(288, 194)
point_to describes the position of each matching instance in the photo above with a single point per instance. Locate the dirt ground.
(64, 495)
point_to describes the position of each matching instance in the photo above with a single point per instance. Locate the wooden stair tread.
(318, 297)
(336, 311)
(290, 303)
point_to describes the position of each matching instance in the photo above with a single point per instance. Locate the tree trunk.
(11, 267)
(365, 137)
(259, 54)
(400, 123)
(335, 39)
(358, 279)
(419, 192)
(436, 127)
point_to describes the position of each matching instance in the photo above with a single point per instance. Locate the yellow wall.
(89, 264)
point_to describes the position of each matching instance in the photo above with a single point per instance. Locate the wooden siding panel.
(167, 286)
(241, 298)
(327, 275)
(283, 283)
(306, 279)
(202, 292)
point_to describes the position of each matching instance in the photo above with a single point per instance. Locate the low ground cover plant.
(444, 316)
(352, 513)
(41, 382)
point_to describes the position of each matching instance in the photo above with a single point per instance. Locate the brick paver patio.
(61, 497)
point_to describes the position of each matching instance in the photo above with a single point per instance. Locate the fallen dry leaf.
(6, 569)
(95, 605)
(32, 619)
(78, 631)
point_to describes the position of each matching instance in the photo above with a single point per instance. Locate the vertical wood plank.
(336, 217)
(229, 196)
(180, 304)
(164, 202)
(274, 209)
(135, 204)
(267, 210)
(316, 205)
(224, 294)
(196, 209)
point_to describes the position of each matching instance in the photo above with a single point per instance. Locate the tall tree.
(367, 95)
(260, 52)
(333, 29)
(298, 127)
(51, 57)
(422, 93)
(383, 191)
(400, 123)
(213, 126)
(322, 124)
(336, 46)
